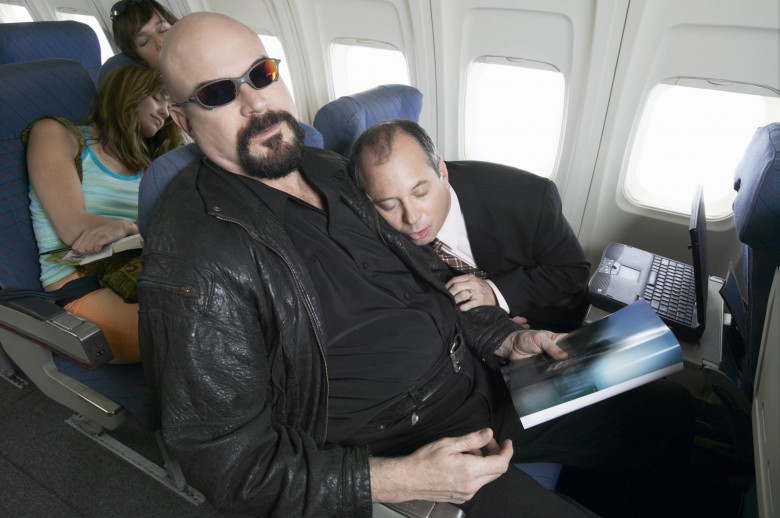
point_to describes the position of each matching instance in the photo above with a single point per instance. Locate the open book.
(621, 351)
(121, 245)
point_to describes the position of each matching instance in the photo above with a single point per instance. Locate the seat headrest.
(33, 41)
(311, 137)
(113, 62)
(757, 180)
(343, 120)
(28, 91)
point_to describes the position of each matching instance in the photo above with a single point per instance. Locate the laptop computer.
(676, 291)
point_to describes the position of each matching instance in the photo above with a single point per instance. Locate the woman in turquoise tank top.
(84, 188)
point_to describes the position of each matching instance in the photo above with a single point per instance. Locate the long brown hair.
(115, 113)
(137, 14)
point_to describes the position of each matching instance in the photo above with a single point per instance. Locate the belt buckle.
(456, 354)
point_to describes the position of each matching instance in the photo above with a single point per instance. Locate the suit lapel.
(481, 225)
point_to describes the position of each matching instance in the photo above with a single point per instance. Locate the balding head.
(255, 132)
(194, 48)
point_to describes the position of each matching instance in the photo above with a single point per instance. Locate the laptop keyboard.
(670, 290)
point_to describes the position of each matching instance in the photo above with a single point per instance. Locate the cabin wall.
(581, 39)
(667, 38)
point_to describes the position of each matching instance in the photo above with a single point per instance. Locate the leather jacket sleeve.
(230, 401)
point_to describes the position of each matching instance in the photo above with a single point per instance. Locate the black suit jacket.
(521, 239)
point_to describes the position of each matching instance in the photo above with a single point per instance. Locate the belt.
(418, 396)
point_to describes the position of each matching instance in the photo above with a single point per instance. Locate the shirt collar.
(453, 231)
(454, 227)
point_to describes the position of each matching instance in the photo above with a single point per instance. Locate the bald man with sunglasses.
(307, 358)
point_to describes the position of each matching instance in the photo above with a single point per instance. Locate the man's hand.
(470, 292)
(524, 344)
(522, 322)
(448, 470)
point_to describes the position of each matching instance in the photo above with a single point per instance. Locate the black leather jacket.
(232, 341)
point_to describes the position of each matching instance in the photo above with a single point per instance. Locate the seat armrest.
(47, 324)
(417, 509)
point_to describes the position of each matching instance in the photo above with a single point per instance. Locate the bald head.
(198, 46)
(254, 132)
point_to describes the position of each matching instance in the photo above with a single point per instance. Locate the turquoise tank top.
(106, 193)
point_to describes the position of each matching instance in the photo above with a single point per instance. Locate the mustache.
(260, 123)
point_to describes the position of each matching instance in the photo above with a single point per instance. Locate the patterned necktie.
(455, 261)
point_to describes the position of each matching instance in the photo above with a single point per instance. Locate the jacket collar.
(481, 225)
(225, 197)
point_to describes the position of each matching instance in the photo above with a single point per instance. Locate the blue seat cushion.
(757, 180)
(546, 473)
(26, 95)
(33, 41)
(113, 62)
(343, 120)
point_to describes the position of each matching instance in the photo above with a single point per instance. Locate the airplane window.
(359, 65)
(10, 13)
(275, 50)
(71, 14)
(695, 131)
(514, 113)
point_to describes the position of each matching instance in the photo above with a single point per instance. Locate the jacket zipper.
(306, 304)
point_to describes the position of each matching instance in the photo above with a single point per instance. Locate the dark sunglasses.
(220, 92)
(121, 7)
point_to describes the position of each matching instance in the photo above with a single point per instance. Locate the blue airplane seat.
(63, 355)
(33, 41)
(158, 175)
(757, 219)
(311, 136)
(343, 120)
(26, 93)
(164, 168)
(546, 473)
(113, 62)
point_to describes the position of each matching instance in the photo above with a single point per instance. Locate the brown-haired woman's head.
(139, 27)
(131, 113)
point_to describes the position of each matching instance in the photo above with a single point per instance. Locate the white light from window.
(360, 67)
(10, 13)
(105, 48)
(514, 113)
(695, 134)
(275, 49)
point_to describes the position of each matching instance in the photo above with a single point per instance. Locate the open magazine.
(120, 245)
(623, 350)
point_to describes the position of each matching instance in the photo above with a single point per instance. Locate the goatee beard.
(281, 158)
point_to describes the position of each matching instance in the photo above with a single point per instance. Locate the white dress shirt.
(456, 241)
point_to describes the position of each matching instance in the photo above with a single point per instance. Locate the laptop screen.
(698, 232)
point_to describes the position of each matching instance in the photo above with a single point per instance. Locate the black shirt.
(386, 330)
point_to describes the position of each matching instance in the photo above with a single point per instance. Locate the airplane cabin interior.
(628, 106)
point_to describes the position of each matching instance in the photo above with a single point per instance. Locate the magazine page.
(621, 351)
(121, 245)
